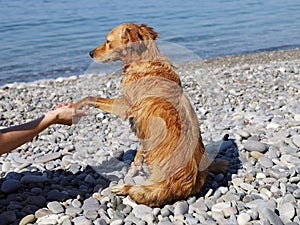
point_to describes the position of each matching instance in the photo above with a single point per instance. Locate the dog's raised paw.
(121, 189)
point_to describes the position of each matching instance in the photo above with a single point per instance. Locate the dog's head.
(126, 42)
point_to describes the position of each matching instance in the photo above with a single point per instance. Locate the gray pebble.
(266, 162)
(6, 166)
(48, 220)
(67, 222)
(100, 221)
(42, 213)
(243, 218)
(243, 133)
(76, 203)
(296, 140)
(132, 219)
(90, 214)
(148, 218)
(141, 210)
(192, 220)
(287, 210)
(252, 145)
(73, 211)
(48, 157)
(218, 207)
(90, 204)
(55, 207)
(181, 208)
(165, 212)
(81, 220)
(273, 218)
(116, 222)
(296, 193)
(198, 206)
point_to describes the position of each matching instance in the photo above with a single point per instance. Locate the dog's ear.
(141, 33)
(150, 33)
(135, 38)
(131, 35)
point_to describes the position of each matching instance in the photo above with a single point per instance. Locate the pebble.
(9, 186)
(297, 117)
(64, 175)
(219, 207)
(296, 140)
(55, 207)
(181, 208)
(8, 217)
(257, 146)
(265, 162)
(81, 220)
(55, 195)
(90, 204)
(27, 219)
(256, 154)
(287, 210)
(42, 213)
(141, 210)
(273, 218)
(296, 193)
(116, 222)
(73, 211)
(33, 179)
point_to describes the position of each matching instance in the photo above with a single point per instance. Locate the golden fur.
(161, 116)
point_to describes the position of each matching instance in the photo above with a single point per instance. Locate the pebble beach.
(249, 112)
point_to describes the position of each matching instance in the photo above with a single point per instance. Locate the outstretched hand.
(67, 114)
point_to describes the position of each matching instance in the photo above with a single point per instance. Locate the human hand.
(66, 114)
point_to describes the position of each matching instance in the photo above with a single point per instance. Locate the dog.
(160, 114)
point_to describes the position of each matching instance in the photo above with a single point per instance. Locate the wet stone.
(9, 186)
(33, 179)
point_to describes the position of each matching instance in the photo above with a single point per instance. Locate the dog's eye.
(107, 42)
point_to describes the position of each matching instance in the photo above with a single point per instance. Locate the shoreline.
(63, 175)
(226, 61)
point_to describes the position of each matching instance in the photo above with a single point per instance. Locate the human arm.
(13, 137)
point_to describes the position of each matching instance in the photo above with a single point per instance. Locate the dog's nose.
(92, 53)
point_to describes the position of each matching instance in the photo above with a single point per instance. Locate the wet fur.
(160, 114)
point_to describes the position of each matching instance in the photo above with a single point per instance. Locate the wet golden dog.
(160, 114)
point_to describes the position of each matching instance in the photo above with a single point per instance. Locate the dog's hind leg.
(151, 195)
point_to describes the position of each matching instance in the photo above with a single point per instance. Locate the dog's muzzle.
(92, 53)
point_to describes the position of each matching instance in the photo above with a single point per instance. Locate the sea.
(41, 39)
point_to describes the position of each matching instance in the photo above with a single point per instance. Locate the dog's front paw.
(121, 189)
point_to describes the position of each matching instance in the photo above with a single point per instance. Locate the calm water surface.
(48, 39)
